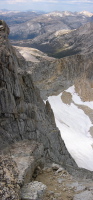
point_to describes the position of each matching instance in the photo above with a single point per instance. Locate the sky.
(47, 5)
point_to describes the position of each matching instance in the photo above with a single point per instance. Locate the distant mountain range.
(58, 34)
(16, 17)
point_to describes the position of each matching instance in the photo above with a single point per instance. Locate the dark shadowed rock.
(23, 114)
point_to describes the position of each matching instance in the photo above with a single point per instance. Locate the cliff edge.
(25, 121)
(23, 114)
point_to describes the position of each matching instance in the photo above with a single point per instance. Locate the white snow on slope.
(74, 126)
(60, 14)
(86, 13)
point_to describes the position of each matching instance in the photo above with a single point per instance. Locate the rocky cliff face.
(23, 115)
(53, 76)
(28, 134)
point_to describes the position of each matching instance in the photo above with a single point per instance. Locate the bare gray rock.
(86, 195)
(33, 191)
(23, 114)
(27, 155)
(60, 180)
(76, 186)
(53, 76)
(17, 165)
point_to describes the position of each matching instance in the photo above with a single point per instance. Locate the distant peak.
(4, 12)
(86, 13)
(60, 14)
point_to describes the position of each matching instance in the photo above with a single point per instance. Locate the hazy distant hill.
(35, 25)
(16, 17)
(58, 34)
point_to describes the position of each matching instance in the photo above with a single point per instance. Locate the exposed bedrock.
(56, 76)
(23, 115)
(53, 76)
(28, 134)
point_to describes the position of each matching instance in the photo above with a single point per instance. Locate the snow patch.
(60, 14)
(74, 126)
(86, 13)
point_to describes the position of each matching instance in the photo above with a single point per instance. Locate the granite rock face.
(28, 134)
(53, 76)
(23, 115)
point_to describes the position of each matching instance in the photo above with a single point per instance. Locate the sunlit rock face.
(53, 76)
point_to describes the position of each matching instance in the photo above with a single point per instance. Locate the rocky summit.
(29, 138)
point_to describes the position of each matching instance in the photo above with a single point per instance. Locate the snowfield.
(74, 126)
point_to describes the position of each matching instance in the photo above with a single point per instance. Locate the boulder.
(33, 191)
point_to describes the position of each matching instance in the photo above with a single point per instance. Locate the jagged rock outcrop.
(17, 165)
(23, 115)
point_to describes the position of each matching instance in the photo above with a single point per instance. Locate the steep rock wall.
(53, 76)
(23, 115)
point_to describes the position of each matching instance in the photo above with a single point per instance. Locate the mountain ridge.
(58, 34)
(29, 137)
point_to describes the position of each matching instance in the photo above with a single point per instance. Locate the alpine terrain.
(46, 105)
